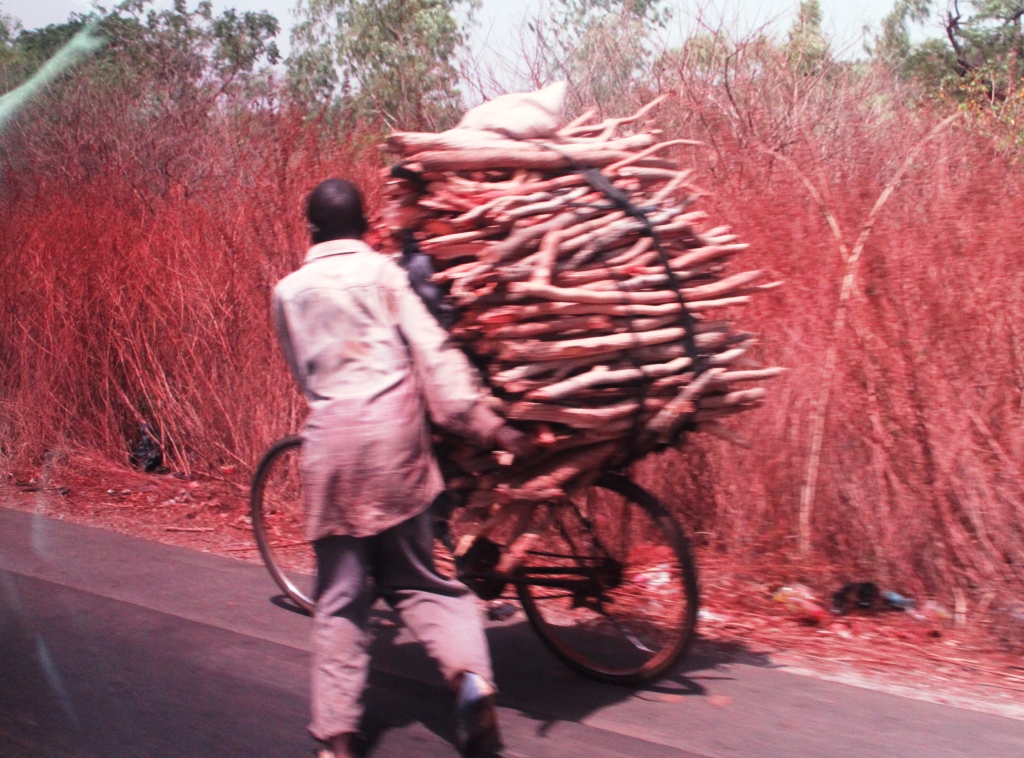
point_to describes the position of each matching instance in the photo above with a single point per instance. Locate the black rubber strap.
(600, 182)
(621, 200)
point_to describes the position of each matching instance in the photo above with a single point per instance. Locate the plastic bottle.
(897, 602)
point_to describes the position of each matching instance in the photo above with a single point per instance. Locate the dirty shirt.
(372, 363)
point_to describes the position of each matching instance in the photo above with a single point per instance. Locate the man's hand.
(514, 441)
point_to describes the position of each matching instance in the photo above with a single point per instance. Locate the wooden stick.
(616, 122)
(578, 418)
(527, 370)
(581, 119)
(500, 203)
(676, 182)
(639, 157)
(484, 191)
(637, 249)
(528, 156)
(549, 205)
(546, 258)
(669, 419)
(756, 375)
(513, 313)
(563, 294)
(520, 238)
(561, 472)
(539, 328)
(455, 140)
(429, 245)
(660, 297)
(460, 250)
(603, 375)
(530, 351)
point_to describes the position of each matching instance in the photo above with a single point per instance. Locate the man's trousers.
(397, 565)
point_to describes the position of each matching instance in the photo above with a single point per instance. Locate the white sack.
(520, 115)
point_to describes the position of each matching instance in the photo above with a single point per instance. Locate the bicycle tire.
(274, 455)
(682, 642)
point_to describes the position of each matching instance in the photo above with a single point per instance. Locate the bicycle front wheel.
(275, 502)
(611, 587)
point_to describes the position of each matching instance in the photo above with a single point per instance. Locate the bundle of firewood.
(594, 302)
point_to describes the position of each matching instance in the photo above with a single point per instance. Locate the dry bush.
(922, 450)
(140, 255)
(919, 479)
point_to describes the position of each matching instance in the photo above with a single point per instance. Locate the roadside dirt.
(208, 513)
(974, 662)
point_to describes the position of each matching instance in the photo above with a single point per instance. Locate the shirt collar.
(336, 247)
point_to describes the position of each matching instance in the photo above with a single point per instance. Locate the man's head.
(335, 211)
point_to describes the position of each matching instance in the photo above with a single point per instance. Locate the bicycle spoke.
(634, 615)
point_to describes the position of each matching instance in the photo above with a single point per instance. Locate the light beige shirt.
(372, 363)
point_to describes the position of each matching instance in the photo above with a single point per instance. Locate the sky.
(844, 20)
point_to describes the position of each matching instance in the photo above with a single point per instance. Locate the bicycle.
(605, 577)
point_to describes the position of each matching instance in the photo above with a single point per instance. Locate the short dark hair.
(335, 211)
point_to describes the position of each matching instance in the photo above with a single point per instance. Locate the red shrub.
(139, 258)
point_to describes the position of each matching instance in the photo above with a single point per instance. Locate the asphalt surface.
(114, 646)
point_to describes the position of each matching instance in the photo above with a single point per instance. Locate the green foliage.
(149, 105)
(978, 66)
(807, 46)
(893, 43)
(21, 52)
(8, 31)
(78, 49)
(387, 59)
(194, 49)
(578, 18)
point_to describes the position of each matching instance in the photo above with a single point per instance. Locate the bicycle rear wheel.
(611, 587)
(275, 501)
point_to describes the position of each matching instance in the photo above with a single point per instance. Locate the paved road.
(113, 646)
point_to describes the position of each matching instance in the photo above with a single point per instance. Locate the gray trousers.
(398, 565)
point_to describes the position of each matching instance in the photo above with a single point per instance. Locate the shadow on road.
(285, 603)
(530, 679)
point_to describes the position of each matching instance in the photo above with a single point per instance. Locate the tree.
(977, 65)
(191, 48)
(8, 31)
(199, 53)
(79, 48)
(893, 43)
(981, 38)
(150, 104)
(387, 59)
(601, 47)
(807, 46)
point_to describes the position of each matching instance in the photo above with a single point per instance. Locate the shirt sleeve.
(455, 397)
(284, 337)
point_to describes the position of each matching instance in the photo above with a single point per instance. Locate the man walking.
(373, 363)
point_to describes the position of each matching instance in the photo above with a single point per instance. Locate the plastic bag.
(801, 602)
